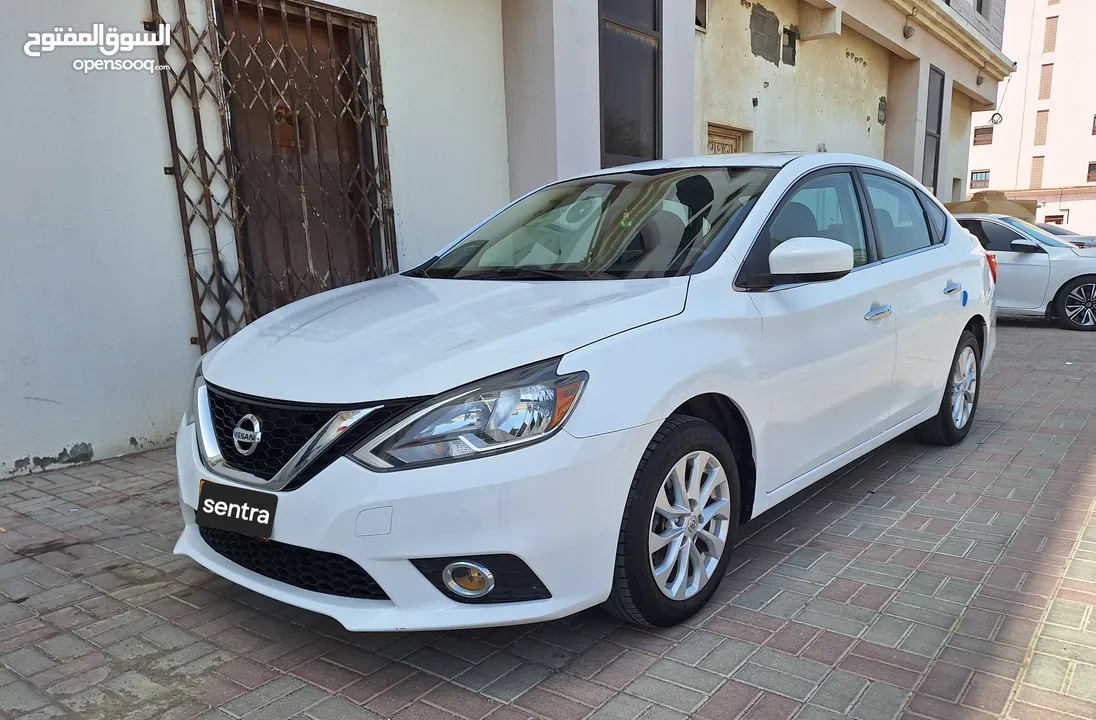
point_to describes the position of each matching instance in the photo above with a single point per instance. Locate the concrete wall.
(553, 100)
(829, 97)
(957, 178)
(1070, 144)
(95, 355)
(990, 22)
(95, 351)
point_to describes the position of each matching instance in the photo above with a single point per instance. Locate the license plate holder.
(236, 509)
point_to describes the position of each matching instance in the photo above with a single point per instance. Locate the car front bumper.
(556, 505)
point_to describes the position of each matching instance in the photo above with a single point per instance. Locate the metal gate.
(277, 130)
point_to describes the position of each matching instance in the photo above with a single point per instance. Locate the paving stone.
(663, 693)
(838, 691)
(775, 681)
(688, 676)
(879, 702)
(20, 697)
(1070, 614)
(335, 708)
(622, 707)
(695, 647)
(517, 681)
(249, 702)
(728, 657)
(888, 630)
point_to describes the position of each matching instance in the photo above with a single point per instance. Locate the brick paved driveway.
(952, 583)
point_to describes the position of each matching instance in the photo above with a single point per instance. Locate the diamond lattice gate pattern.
(277, 127)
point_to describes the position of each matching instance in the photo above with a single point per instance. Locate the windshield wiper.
(535, 273)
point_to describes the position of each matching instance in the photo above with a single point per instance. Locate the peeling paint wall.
(829, 98)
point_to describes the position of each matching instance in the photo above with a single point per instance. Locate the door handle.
(952, 288)
(878, 313)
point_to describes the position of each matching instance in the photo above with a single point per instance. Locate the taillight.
(992, 257)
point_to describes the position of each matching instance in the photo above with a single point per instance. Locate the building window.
(787, 53)
(979, 179)
(1050, 36)
(931, 163)
(1046, 78)
(631, 81)
(1052, 2)
(1037, 172)
(1091, 172)
(983, 135)
(1042, 119)
(702, 14)
(1055, 219)
(982, 6)
(1094, 124)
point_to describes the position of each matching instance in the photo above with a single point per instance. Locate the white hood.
(402, 336)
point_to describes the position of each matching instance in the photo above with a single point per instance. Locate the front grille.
(286, 427)
(314, 570)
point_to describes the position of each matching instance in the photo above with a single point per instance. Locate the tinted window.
(824, 206)
(998, 237)
(630, 79)
(975, 228)
(900, 225)
(627, 225)
(937, 217)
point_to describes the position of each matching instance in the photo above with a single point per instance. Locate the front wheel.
(1076, 306)
(952, 423)
(679, 525)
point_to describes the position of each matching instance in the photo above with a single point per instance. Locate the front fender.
(641, 376)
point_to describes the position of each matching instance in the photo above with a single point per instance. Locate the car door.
(926, 294)
(828, 346)
(1022, 277)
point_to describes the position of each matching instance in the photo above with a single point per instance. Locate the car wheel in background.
(960, 403)
(679, 525)
(1076, 304)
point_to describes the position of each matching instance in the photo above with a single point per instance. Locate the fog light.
(468, 579)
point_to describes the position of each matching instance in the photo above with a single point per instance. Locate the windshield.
(640, 224)
(1055, 230)
(1038, 233)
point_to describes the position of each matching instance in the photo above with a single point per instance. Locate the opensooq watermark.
(108, 40)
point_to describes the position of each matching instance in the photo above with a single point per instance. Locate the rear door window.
(900, 223)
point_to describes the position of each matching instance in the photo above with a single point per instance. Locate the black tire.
(941, 429)
(635, 596)
(1064, 296)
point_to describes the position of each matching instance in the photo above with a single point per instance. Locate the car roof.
(983, 216)
(761, 159)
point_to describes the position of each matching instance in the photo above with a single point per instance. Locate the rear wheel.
(1076, 305)
(679, 525)
(952, 423)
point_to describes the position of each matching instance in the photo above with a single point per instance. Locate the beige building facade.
(1040, 144)
(892, 79)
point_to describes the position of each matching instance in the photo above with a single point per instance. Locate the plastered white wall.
(95, 353)
(96, 321)
(441, 65)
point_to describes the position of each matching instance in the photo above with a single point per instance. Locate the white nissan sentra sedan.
(580, 401)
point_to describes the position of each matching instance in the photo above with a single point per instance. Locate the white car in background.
(1068, 235)
(1039, 273)
(581, 400)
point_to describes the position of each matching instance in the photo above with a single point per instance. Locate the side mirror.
(810, 259)
(1024, 245)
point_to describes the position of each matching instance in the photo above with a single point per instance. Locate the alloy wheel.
(1080, 305)
(690, 524)
(964, 387)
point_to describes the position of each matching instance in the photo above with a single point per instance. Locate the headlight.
(494, 415)
(191, 413)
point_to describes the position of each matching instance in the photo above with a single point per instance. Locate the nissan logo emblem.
(247, 434)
